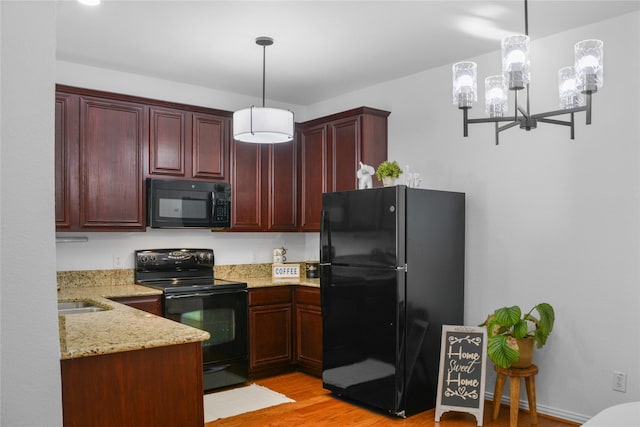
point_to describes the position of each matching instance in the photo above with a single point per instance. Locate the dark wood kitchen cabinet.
(99, 152)
(330, 149)
(308, 339)
(188, 145)
(149, 303)
(264, 187)
(270, 331)
(66, 152)
(159, 386)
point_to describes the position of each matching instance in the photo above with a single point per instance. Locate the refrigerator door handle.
(325, 238)
(402, 267)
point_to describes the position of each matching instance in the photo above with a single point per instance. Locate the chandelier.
(263, 125)
(576, 85)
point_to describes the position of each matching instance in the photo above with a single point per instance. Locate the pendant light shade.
(262, 125)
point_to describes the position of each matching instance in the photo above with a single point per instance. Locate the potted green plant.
(388, 172)
(510, 334)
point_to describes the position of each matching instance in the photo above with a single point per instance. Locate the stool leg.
(530, 383)
(497, 394)
(514, 394)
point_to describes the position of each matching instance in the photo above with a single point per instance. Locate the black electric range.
(176, 271)
(194, 297)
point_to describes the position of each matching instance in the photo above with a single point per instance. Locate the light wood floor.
(315, 406)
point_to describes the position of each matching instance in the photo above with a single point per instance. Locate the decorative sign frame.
(285, 273)
(461, 380)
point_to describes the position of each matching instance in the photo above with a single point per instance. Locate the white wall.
(30, 357)
(229, 248)
(548, 218)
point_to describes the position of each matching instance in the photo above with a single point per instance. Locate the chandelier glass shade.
(263, 125)
(576, 84)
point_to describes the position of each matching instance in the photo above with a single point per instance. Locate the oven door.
(224, 315)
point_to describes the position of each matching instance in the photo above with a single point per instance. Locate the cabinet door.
(313, 175)
(345, 154)
(308, 355)
(111, 185)
(270, 337)
(66, 152)
(246, 196)
(209, 146)
(281, 187)
(167, 142)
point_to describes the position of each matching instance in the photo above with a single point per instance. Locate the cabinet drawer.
(151, 304)
(309, 296)
(274, 295)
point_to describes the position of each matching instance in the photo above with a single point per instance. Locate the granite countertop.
(124, 328)
(264, 282)
(121, 328)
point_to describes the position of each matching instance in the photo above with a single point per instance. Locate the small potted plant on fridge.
(388, 172)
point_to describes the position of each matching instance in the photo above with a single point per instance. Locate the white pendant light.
(263, 125)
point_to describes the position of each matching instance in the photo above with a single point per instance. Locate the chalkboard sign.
(462, 371)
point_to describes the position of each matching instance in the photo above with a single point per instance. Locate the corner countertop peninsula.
(122, 328)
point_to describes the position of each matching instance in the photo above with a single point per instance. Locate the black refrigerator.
(391, 274)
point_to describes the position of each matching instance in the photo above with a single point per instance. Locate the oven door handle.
(203, 294)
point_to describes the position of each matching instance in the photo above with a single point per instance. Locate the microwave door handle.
(213, 206)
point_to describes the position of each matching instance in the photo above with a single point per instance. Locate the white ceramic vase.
(388, 181)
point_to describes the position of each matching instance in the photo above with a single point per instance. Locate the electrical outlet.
(117, 261)
(619, 381)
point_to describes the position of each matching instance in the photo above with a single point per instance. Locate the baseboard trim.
(544, 409)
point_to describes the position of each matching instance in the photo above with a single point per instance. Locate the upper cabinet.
(106, 144)
(99, 152)
(263, 183)
(330, 151)
(188, 145)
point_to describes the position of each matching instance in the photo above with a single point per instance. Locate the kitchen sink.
(75, 307)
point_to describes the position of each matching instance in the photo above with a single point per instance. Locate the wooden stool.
(514, 391)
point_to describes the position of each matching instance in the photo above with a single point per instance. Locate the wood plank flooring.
(315, 406)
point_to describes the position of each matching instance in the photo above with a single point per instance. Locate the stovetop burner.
(180, 270)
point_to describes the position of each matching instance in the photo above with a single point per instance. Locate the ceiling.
(322, 48)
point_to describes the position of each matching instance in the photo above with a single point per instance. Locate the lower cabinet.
(270, 337)
(157, 387)
(151, 303)
(308, 354)
(285, 330)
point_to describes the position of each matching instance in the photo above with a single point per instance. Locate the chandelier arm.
(493, 119)
(540, 116)
(556, 122)
(524, 113)
(508, 126)
(497, 133)
(588, 107)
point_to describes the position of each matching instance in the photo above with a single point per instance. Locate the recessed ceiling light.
(89, 2)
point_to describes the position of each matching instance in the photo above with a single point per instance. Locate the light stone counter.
(121, 328)
(263, 282)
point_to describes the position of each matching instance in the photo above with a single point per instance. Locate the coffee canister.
(312, 269)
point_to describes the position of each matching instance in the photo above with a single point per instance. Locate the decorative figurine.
(364, 176)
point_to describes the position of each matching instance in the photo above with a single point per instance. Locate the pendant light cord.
(264, 68)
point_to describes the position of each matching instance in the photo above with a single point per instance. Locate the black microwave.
(177, 204)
